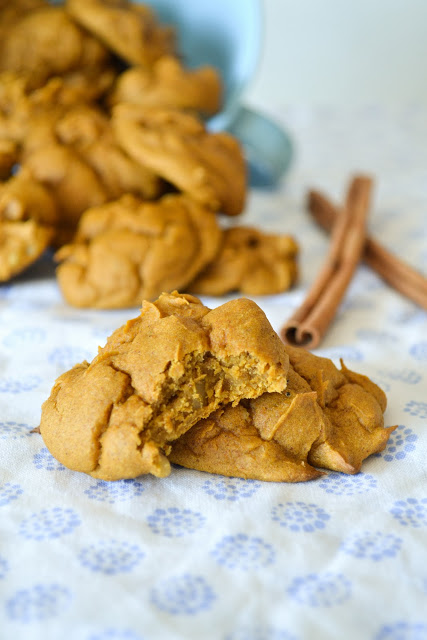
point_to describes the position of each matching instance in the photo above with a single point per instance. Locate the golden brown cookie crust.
(209, 167)
(159, 374)
(250, 261)
(129, 30)
(169, 85)
(128, 250)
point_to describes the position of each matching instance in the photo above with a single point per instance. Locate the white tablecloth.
(197, 555)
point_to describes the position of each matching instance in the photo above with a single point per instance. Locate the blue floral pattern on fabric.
(19, 385)
(66, 357)
(38, 603)
(174, 522)
(45, 460)
(320, 590)
(9, 492)
(186, 594)
(112, 492)
(111, 556)
(411, 512)
(300, 516)
(115, 634)
(259, 632)
(419, 351)
(4, 567)
(230, 489)
(344, 352)
(343, 485)
(49, 524)
(403, 630)
(244, 552)
(418, 409)
(408, 376)
(401, 442)
(14, 430)
(376, 335)
(24, 336)
(373, 545)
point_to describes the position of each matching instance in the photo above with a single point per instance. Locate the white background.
(342, 52)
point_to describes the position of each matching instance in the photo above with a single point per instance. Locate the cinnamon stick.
(310, 322)
(397, 273)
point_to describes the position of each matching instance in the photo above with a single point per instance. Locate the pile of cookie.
(104, 155)
(212, 390)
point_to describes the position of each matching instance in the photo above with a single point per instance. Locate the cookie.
(73, 183)
(264, 439)
(157, 376)
(11, 12)
(87, 129)
(46, 42)
(168, 84)
(250, 261)
(27, 218)
(209, 167)
(353, 408)
(325, 418)
(130, 30)
(88, 84)
(129, 250)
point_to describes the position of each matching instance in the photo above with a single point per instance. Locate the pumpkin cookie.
(249, 261)
(87, 129)
(27, 218)
(169, 85)
(353, 408)
(155, 378)
(88, 84)
(264, 439)
(325, 418)
(46, 43)
(128, 250)
(130, 30)
(207, 166)
(11, 12)
(73, 183)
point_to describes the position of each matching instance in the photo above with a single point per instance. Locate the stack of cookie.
(210, 390)
(104, 155)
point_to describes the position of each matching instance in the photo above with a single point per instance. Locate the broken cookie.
(264, 439)
(325, 418)
(209, 167)
(157, 376)
(129, 250)
(249, 261)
